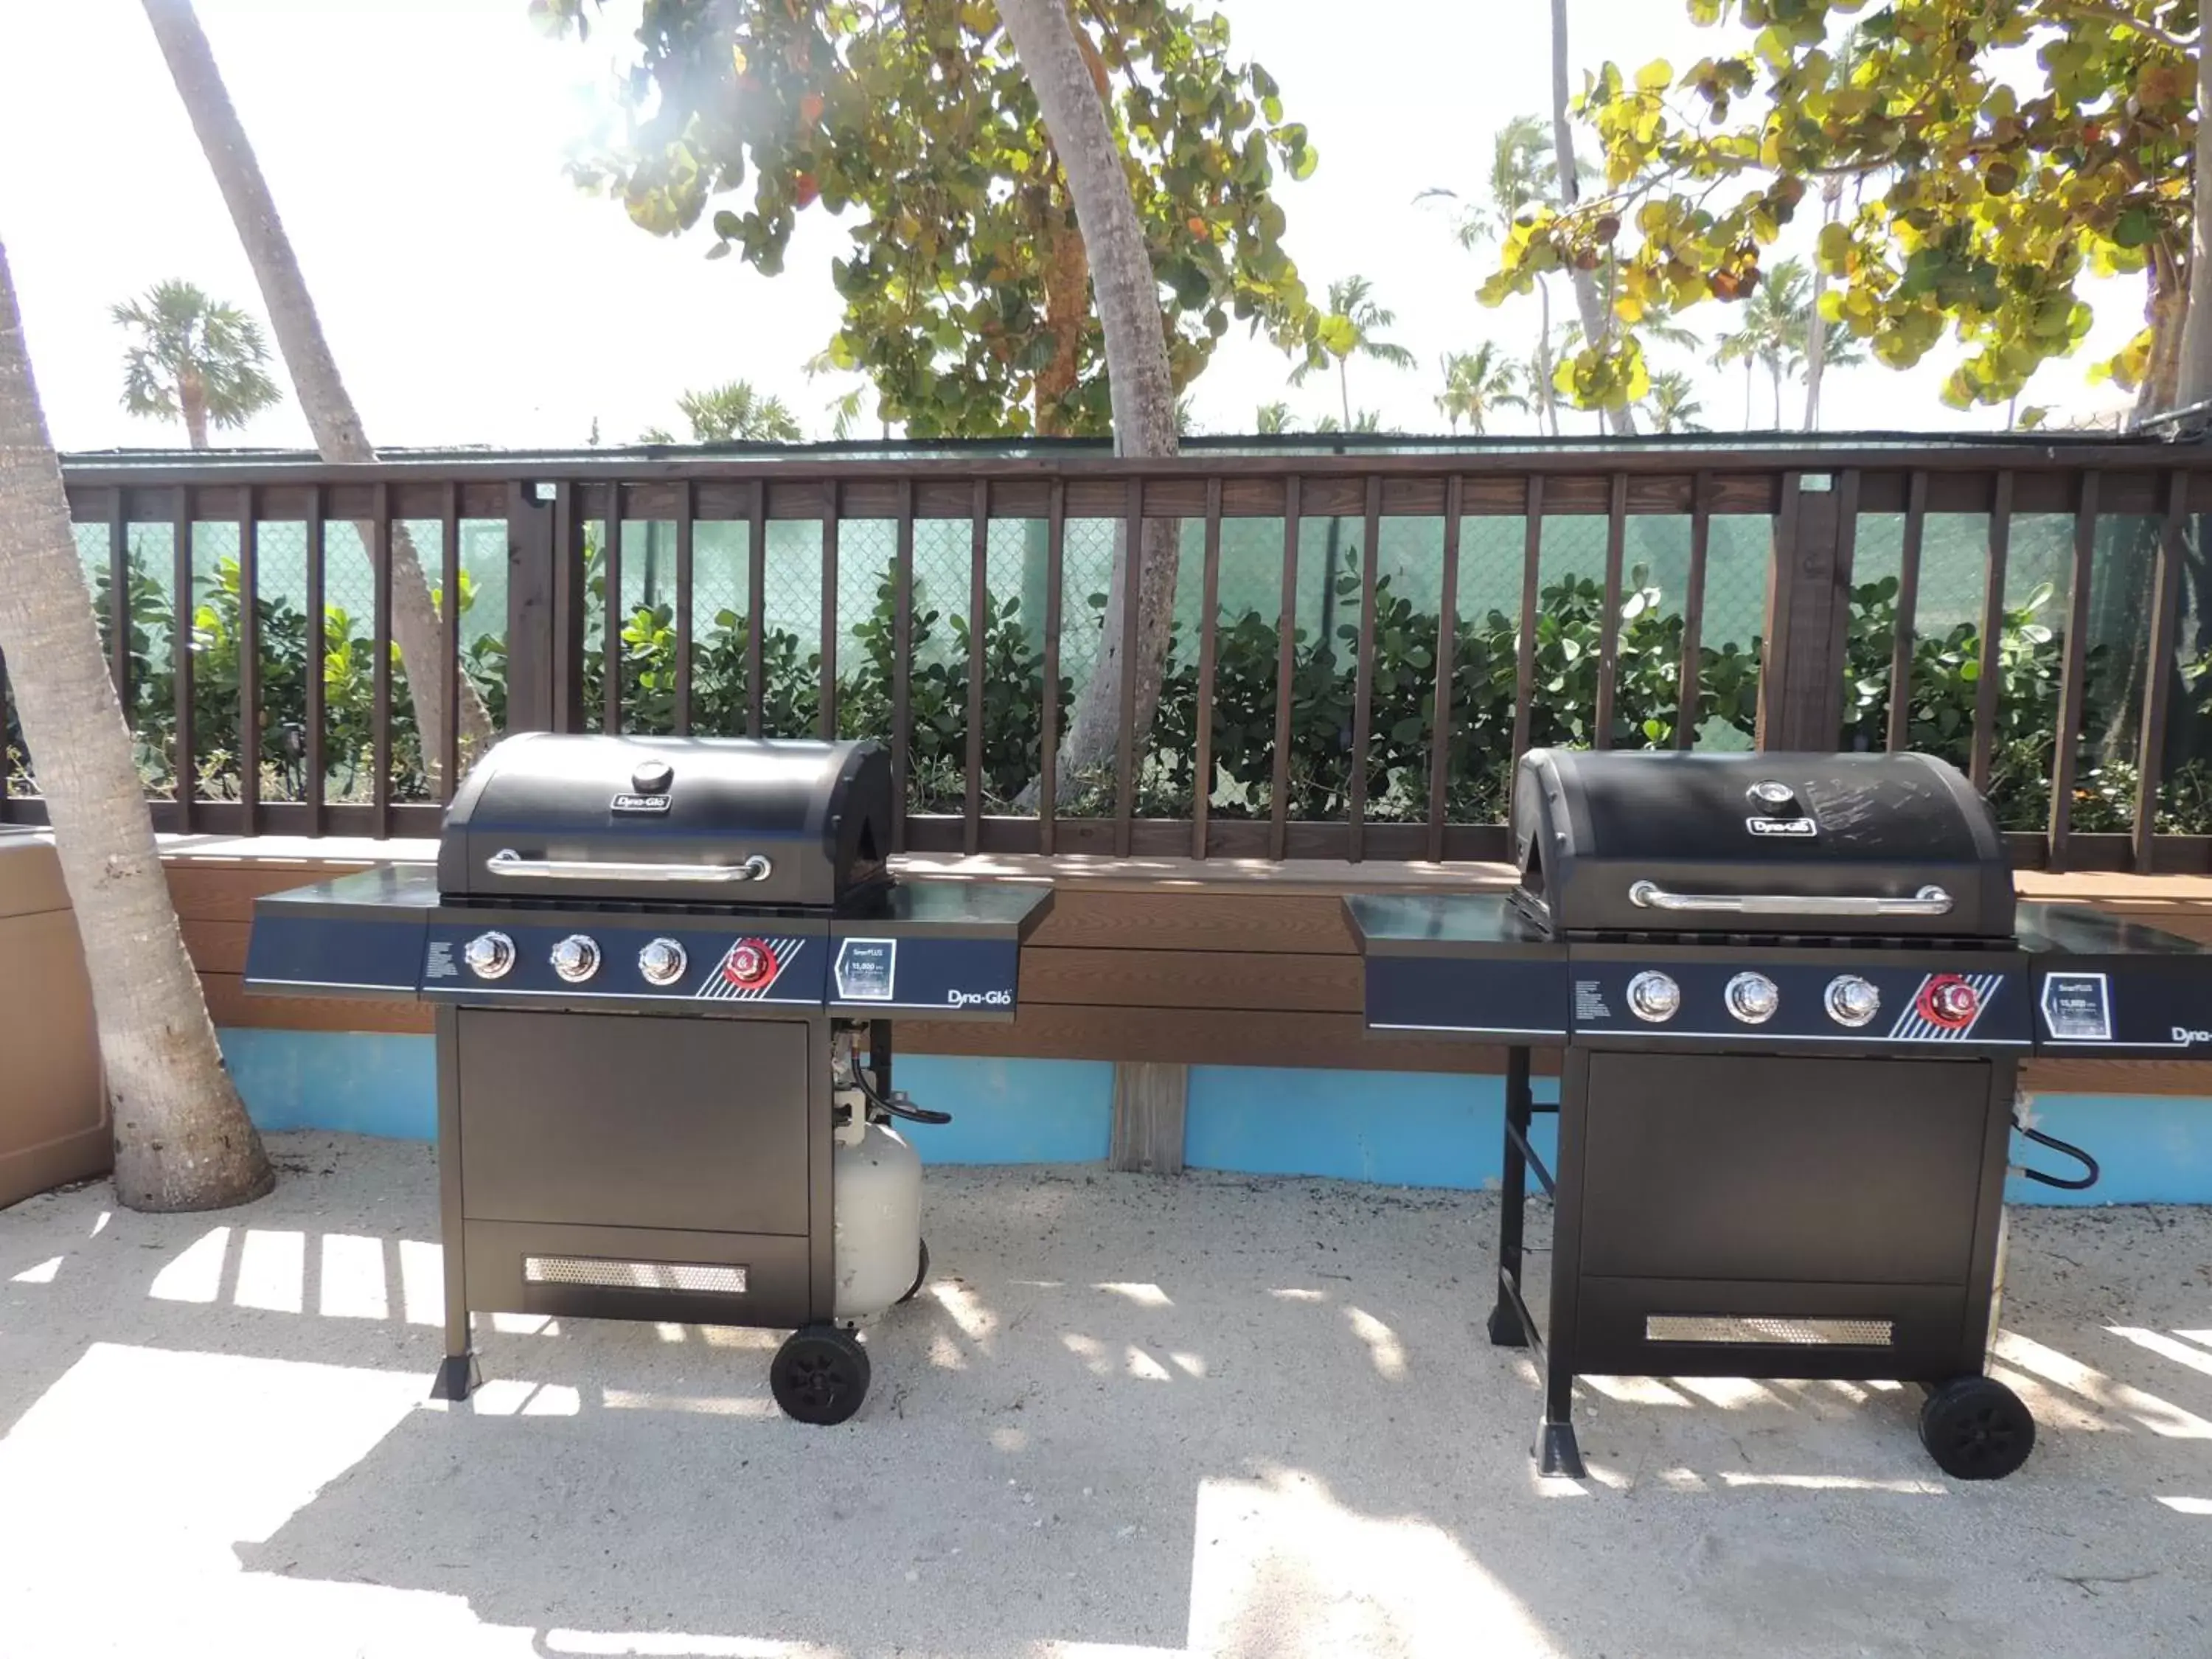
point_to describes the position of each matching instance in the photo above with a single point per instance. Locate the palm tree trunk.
(1774, 369)
(1597, 318)
(1142, 388)
(1546, 416)
(2193, 373)
(1816, 325)
(1344, 387)
(182, 1140)
(339, 437)
(1750, 384)
(193, 402)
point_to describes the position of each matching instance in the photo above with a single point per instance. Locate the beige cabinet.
(53, 1111)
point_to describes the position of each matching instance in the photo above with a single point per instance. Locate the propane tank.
(877, 1205)
(876, 1195)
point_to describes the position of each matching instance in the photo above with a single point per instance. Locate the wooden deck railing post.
(530, 644)
(1801, 678)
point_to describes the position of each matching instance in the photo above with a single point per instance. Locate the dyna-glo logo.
(958, 999)
(1794, 827)
(2185, 1038)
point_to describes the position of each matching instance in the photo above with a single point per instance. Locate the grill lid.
(1642, 841)
(726, 821)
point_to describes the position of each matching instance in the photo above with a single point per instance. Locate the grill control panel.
(768, 962)
(1801, 1000)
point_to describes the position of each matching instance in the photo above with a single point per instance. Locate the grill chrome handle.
(509, 862)
(1928, 902)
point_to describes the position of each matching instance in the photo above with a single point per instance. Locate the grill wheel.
(1976, 1429)
(820, 1374)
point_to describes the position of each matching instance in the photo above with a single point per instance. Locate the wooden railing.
(1393, 739)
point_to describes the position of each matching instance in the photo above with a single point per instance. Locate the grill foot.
(458, 1377)
(1556, 1454)
(1504, 1327)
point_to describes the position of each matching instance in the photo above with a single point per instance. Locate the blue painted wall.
(364, 1083)
(1406, 1128)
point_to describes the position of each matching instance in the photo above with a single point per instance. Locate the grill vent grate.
(714, 1277)
(1770, 1330)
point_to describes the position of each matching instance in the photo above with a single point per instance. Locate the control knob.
(1853, 1000)
(1949, 1001)
(662, 962)
(1654, 996)
(751, 965)
(576, 958)
(490, 956)
(1752, 998)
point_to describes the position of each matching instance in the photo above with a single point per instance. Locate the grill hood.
(719, 821)
(1897, 845)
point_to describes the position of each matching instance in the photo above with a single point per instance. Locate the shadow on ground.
(1129, 1417)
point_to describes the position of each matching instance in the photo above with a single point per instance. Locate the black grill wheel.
(1976, 1429)
(820, 1374)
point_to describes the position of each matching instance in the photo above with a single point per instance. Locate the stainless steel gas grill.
(665, 972)
(1793, 992)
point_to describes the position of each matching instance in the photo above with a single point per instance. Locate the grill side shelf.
(2111, 988)
(949, 949)
(1458, 965)
(358, 937)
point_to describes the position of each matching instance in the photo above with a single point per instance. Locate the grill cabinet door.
(632, 1121)
(1761, 1167)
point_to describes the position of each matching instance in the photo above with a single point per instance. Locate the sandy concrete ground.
(1129, 1418)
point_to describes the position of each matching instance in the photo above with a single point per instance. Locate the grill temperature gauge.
(1752, 998)
(576, 958)
(662, 962)
(1654, 996)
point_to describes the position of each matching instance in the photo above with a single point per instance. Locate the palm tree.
(734, 413)
(1522, 176)
(1477, 385)
(1127, 295)
(182, 1141)
(416, 627)
(1672, 404)
(1351, 329)
(1772, 333)
(193, 359)
(1596, 312)
(1272, 418)
(1776, 333)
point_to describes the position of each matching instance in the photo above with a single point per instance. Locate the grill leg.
(458, 1376)
(1557, 1452)
(1505, 1330)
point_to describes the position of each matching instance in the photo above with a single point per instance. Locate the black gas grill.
(1793, 992)
(664, 973)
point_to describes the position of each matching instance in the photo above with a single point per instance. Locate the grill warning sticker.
(1589, 1001)
(866, 970)
(2077, 1008)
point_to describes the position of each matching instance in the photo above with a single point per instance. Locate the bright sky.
(473, 296)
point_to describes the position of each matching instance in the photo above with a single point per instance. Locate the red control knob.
(1949, 1001)
(750, 965)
